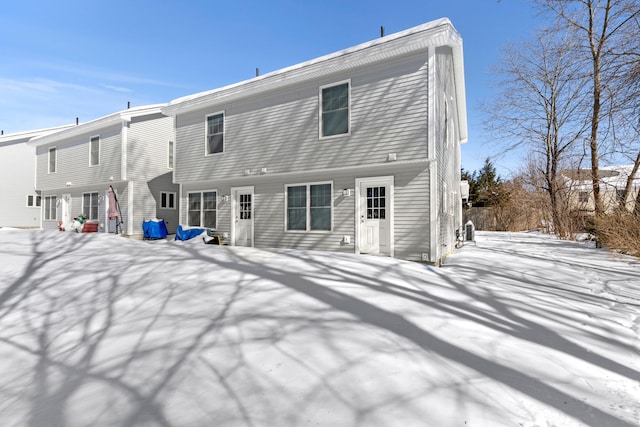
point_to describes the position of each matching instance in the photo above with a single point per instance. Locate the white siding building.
(356, 151)
(131, 151)
(20, 201)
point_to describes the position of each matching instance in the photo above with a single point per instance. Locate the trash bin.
(469, 231)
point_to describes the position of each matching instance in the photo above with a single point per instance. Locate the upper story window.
(33, 201)
(202, 209)
(170, 155)
(167, 200)
(308, 207)
(334, 110)
(90, 205)
(215, 133)
(94, 151)
(52, 160)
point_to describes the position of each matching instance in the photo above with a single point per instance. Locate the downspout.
(35, 184)
(434, 255)
(124, 135)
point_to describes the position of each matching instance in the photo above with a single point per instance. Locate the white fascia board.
(96, 125)
(26, 136)
(461, 96)
(416, 39)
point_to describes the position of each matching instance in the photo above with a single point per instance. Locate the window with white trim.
(170, 155)
(167, 200)
(50, 213)
(215, 133)
(53, 160)
(94, 151)
(308, 207)
(334, 110)
(33, 201)
(90, 206)
(202, 209)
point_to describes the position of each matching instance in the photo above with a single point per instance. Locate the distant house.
(130, 151)
(356, 151)
(19, 200)
(613, 180)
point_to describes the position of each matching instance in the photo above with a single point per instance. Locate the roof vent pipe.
(77, 121)
(1, 132)
(257, 71)
(128, 104)
(382, 31)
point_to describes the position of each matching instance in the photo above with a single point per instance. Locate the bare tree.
(538, 107)
(602, 28)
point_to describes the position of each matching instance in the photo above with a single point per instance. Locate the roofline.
(123, 116)
(25, 136)
(440, 33)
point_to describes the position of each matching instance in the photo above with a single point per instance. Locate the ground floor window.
(202, 209)
(33, 201)
(167, 200)
(308, 207)
(90, 206)
(50, 208)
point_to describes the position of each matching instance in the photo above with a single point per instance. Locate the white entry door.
(65, 210)
(242, 214)
(375, 215)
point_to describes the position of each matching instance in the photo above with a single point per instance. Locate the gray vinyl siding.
(147, 168)
(17, 174)
(76, 208)
(280, 131)
(411, 213)
(73, 160)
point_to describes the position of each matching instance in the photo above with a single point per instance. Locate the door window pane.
(376, 208)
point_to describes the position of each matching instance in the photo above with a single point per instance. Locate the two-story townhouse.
(613, 180)
(129, 153)
(20, 201)
(356, 151)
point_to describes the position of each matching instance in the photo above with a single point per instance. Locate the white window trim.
(53, 208)
(320, 136)
(201, 208)
(308, 207)
(35, 204)
(55, 149)
(99, 150)
(206, 132)
(84, 208)
(167, 193)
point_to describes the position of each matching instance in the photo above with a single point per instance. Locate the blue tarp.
(154, 229)
(190, 233)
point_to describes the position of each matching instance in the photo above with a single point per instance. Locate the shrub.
(620, 231)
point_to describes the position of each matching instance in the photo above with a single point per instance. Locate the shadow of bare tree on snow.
(99, 330)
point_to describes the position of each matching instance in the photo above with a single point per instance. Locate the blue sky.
(66, 59)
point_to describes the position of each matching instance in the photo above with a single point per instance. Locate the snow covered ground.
(519, 329)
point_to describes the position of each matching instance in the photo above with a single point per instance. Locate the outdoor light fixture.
(263, 171)
(68, 184)
(391, 157)
(346, 192)
(247, 172)
(226, 197)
